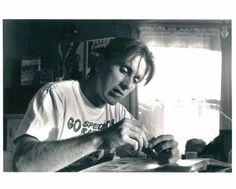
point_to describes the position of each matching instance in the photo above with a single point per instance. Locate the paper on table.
(149, 165)
(124, 165)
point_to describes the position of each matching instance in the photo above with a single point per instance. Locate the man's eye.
(124, 70)
(136, 80)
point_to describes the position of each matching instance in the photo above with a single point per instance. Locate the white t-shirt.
(60, 110)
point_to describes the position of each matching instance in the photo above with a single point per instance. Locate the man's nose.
(127, 83)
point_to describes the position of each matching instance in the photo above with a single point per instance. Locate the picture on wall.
(91, 46)
(71, 60)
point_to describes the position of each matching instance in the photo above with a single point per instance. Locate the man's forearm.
(55, 155)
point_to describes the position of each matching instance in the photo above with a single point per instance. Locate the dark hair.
(126, 47)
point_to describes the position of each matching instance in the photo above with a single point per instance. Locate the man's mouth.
(117, 92)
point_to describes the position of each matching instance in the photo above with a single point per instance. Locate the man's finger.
(154, 141)
(139, 135)
(132, 122)
(132, 142)
(140, 132)
(165, 146)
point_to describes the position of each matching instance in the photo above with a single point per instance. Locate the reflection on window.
(184, 96)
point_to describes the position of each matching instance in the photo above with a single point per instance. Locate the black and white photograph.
(102, 94)
(96, 110)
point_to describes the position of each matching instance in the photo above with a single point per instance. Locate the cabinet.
(11, 123)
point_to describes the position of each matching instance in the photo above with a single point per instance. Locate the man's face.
(118, 78)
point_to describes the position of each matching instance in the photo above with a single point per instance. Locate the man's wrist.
(99, 141)
(105, 138)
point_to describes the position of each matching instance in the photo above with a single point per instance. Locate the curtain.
(226, 84)
(195, 45)
(183, 37)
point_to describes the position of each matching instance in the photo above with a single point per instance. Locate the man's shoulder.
(60, 88)
(65, 84)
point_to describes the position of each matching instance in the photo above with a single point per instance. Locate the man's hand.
(164, 149)
(126, 131)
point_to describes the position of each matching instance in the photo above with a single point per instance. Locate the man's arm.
(34, 155)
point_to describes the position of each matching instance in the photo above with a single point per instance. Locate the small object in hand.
(149, 151)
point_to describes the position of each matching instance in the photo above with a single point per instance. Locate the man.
(70, 120)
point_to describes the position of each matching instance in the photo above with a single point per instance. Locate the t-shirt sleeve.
(127, 114)
(124, 113)
(43, 118)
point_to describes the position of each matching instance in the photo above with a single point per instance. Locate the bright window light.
(184, 96)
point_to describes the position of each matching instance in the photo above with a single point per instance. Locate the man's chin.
(112, 101)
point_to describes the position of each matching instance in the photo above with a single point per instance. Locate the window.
(183, 98)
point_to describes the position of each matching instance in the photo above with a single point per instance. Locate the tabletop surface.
(150, 165)
(124, 165)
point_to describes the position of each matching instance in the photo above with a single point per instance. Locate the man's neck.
(88, 87)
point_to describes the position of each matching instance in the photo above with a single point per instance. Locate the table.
(149, 165)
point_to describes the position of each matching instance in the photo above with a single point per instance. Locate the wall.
(40, 38)
(16, 46)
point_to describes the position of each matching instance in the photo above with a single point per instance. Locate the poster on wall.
(76, 58)
(92, 45)
(30, 71)
(71, 60)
